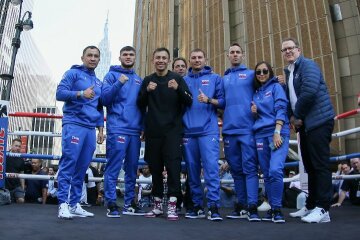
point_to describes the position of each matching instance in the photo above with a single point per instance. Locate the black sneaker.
(269, 216)
(239, 212)
(278, 217)
(113, 211)
(253, 215)
(213, 214)
(196, 212)
(133, 209)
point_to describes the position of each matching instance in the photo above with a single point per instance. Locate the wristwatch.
(209, 100)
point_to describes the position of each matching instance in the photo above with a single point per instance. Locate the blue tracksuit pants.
(240, 152)
(272, 166)
(203, 152)
(121, 147)
(78, 146)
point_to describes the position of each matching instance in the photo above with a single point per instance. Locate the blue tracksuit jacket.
(80, 111)
(238, 118)
(200, 119)
(123, 115)
(271, 103)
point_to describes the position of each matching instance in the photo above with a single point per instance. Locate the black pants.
(160, 152)
(315, 152)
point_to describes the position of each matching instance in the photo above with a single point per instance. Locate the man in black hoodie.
(164, 95)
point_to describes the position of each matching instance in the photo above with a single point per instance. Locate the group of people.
(176, 113)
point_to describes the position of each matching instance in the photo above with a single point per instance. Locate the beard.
(124, 65)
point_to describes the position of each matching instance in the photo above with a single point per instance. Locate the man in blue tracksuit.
(124, 125)
(272, 134)
(201, 135)
(80, 89)
(239, 142)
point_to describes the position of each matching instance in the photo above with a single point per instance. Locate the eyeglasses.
(264, 72)
(288, 49)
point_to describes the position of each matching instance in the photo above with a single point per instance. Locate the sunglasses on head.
(264, 72)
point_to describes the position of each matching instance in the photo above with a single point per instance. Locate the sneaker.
(197, 212)
(64, 211)
(278, 217)
(171, 211)
(239, 212)
(133, 209)
(268, 216)
(253, 215)
(301, 213)
(113, 211)
(213, 214)
(77, 211)
(265, 206)
(85, 204)
(318, 215)
(157, 210)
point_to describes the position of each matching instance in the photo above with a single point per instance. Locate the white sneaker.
(77, 211)
(64, 211)
(318, 215)
(301, 213)
(264, 207)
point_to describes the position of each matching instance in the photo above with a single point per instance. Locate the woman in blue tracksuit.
(271, 128)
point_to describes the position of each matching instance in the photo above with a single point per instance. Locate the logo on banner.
(242, 75)
(205, 82)
(2, 153)
(75, 140)
(268, 94)
(121, 139)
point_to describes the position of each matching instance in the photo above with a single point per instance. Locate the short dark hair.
(127, 48)
(198, 50)
(161, 49)
(294, 40)
(16, 140)
(257, 84)
(238, 45)
(179, 59)
(90, 47)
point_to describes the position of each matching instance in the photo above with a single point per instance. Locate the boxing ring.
(141, 160)
(35, 221)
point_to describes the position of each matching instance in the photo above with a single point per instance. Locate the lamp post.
(22, 24)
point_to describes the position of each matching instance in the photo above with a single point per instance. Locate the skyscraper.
(105, 54)
(328, 31)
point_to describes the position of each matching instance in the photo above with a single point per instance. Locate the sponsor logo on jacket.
(268, 94)
(121, 139)
(75, 140)
(242, 75)
(205, 82)
(138, 81)
(260, 146)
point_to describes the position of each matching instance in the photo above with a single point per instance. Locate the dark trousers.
(160, 152)
(315, 152)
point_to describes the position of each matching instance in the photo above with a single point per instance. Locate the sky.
(62, 29)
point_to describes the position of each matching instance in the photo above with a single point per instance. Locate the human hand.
(173, 84)
(89, 93)
(202, 97)
(151, 86)
(253, 107)
(281, 79)
(123, 78)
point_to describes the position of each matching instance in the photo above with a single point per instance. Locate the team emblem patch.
(205, 82)
(242, 75)
(268, 94)
(137, 81)
(121, 139)
(75, 140)
(260, 146)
